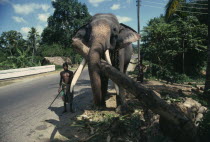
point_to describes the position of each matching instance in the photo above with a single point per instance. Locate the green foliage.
(51, 50)
(171, 7)
(58, 50)
(163, 73)
(21, 60)
(15, 52)
(3, 56)
(33, 40)
(204, 128)
(183, 8)
(9, 41)
(165, 43)
(68, 16)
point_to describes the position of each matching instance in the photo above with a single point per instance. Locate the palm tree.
(207, 84)
(171, 7)
(32, 38)
(9, 40)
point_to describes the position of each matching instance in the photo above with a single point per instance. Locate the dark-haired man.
(64, 86)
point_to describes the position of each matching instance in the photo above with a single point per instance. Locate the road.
(23, 107)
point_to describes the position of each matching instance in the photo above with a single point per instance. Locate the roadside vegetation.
(18, 52)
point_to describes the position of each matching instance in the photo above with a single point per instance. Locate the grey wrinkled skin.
(104, 32)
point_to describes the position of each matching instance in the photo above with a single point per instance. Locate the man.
(141, 68)
(64, 86)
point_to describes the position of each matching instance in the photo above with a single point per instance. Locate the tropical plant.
(164, 44)
(68, 16)
(33, 39)
(11, 40)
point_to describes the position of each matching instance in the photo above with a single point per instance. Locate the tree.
(33, 38)
(184, 8)
(11, 40)
(171, 8)
(163, 45)
(207, 83)
(68, 16)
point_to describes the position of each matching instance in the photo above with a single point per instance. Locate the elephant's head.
(103, 33)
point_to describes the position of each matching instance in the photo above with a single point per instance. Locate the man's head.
(65, 66)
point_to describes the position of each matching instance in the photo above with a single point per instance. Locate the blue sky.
(21, 15)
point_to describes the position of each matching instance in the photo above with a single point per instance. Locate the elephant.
(105, 36)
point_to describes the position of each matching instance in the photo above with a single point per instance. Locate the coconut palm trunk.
(207, 84)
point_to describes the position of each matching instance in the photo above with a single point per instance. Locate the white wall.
(4, 74)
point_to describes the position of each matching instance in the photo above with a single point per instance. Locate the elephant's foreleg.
(122, 93)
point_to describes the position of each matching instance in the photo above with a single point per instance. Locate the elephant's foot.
(99, 107)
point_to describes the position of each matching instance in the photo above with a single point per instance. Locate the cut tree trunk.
(185, 129)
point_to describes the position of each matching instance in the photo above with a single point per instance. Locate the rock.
(198, 118)
(202, 109)
(192, 109)
(189, 103)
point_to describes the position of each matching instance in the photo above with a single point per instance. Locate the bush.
(51, 50)
(162, 73)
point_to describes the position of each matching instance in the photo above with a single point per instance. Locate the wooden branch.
(186, 129)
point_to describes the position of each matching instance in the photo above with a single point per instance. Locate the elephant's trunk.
(94, 72)
(100, 36)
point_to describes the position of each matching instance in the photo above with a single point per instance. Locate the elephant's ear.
(82, 33)
(127, 35)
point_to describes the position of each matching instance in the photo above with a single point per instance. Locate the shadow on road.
(63, 127)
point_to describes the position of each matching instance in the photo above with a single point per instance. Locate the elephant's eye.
(114, 29)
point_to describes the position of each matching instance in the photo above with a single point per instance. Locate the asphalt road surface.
(23, 107)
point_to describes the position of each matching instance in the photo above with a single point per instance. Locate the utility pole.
(140, 65)
(138, 21)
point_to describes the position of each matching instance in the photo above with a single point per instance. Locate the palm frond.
(171, 7)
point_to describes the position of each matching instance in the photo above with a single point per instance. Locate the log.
(185, 129)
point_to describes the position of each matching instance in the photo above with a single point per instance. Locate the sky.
(21, 15)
